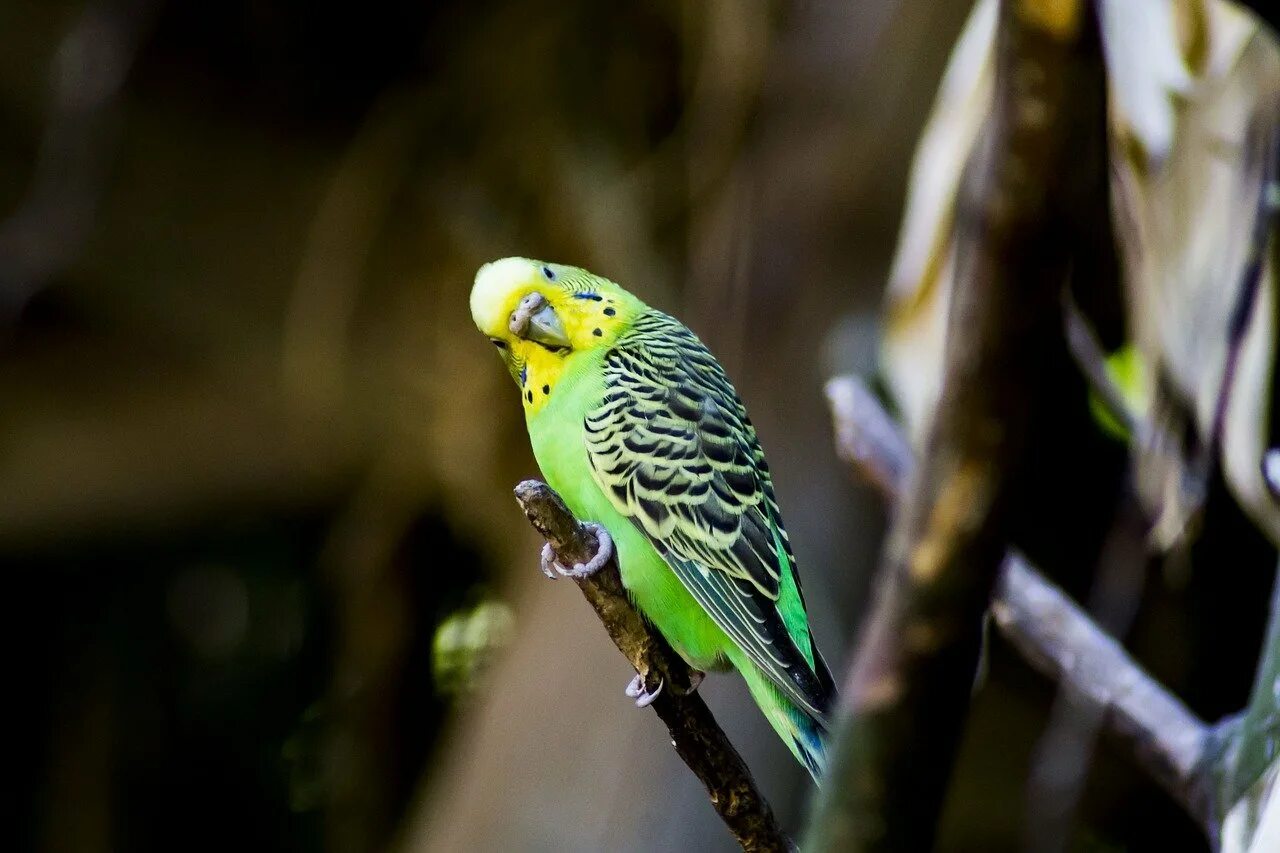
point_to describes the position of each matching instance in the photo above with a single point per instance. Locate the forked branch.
(1055, 636)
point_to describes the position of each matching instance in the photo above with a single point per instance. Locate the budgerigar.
(635, 424)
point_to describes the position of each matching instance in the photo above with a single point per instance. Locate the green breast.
(556, 434)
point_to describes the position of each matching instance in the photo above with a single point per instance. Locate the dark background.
(253, 454)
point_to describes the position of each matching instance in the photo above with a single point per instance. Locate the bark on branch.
(1055, 636)
(1018, 220)
(697, 738)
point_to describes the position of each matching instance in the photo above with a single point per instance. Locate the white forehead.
(492, 290)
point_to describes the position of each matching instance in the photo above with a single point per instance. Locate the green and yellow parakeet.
(635, 424)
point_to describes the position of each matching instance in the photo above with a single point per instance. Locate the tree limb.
(906, 697)
(1055, 636)
(696, 736)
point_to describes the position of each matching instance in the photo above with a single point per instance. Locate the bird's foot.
(552, 567)
(636, 690)
(549, 560)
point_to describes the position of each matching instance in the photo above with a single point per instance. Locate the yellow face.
(541, 315)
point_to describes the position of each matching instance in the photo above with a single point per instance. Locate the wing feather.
(673, 449)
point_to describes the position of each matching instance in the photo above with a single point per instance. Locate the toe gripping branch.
(696, 736)
(551, 565)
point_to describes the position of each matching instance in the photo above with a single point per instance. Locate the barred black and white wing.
(673, 449)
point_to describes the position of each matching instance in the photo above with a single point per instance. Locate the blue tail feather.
(808, 744)
(803, 735)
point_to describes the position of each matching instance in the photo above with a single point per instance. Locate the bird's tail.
(803, 735)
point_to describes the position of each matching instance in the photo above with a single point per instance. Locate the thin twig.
(1060, 640)
(1065, 750)
(1051, 632)
(697, 738)
(1174, 479)
(1092, 361)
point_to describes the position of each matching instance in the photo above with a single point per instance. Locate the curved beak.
(545, 328)
(535, 320)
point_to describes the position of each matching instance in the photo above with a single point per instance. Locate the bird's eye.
(498, 342)
(549, 273)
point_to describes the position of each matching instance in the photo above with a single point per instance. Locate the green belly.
(556, 434)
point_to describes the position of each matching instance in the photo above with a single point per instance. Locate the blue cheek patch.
(524, 374)
(594, 297)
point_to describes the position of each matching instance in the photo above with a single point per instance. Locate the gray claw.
(549, 561)
(635, 689)
(604, 552)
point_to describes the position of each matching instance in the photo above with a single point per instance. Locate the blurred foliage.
(1127, 371)
(466, 643)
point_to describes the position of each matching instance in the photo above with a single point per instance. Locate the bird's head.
(539, 314)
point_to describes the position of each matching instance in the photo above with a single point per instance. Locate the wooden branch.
(907, 694)
(1060, 640)
(1066, 748)
(697, 738)
(1055, 636)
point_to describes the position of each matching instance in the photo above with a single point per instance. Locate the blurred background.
(267, 586)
